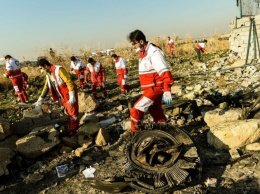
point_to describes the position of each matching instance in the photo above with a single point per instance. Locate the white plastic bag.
(89, 172)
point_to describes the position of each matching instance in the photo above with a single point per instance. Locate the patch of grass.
(184, 51)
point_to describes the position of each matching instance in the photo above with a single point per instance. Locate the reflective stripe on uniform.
(143, 104)
(132, 118)
(14, 76)
(153, 84)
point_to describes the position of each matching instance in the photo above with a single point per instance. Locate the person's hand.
(72, 98)
(38, 104)
(38, 108)
(167, 97)
(123, 82)
(125, 76)
(5, 75)
(39, 101)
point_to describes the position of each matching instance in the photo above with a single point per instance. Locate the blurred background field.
(183, 50)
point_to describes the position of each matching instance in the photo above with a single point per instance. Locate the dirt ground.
(234, 176)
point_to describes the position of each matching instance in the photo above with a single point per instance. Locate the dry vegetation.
(184, 49)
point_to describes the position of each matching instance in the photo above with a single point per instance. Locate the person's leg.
(20, 96)
(155, 109)
(198, 53)
(94, 89)
(137, 112)
(102, 87)
(25, 96)
(171, 50)
(123, 86)
(18, 87)
(73, 114)
(126, 88)
(81, 80)
(141, 106)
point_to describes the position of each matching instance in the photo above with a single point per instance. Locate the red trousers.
(73, 113)
(150, 101)
(81, 79)
(17, 83)
(171, 49)
(124, 88)
(94, 88)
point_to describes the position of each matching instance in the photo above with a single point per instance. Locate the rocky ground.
(202, 87)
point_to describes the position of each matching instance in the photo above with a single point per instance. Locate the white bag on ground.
(89, 172)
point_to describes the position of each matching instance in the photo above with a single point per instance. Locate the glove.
(39, 101)
(72, 98)
(38, 104)
(38, 108)
(123, 82)
(167, 97)
(125, 76)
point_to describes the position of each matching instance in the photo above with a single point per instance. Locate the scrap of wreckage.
(156, 161)
(167, 159)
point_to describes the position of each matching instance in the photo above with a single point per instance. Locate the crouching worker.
(60, 85)
(14, 73)
(121, 72)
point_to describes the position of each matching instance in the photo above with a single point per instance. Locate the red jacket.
(61, 86)
(77, 66)
(96, 72)
(120, 65)
(153, 68)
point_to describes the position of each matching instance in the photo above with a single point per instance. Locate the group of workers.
(154, 75)
(200, 47)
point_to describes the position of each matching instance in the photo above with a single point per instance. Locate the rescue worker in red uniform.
(60, 85)
(200, 48)
(170, 45)
(97, 76)
(14, 72)
(121, 71)
(78, 67)
(155, 79)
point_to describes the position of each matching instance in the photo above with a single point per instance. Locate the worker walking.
(79, 68)
(170, 43)
(95, 70)
(121, 71)
(155, 79)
